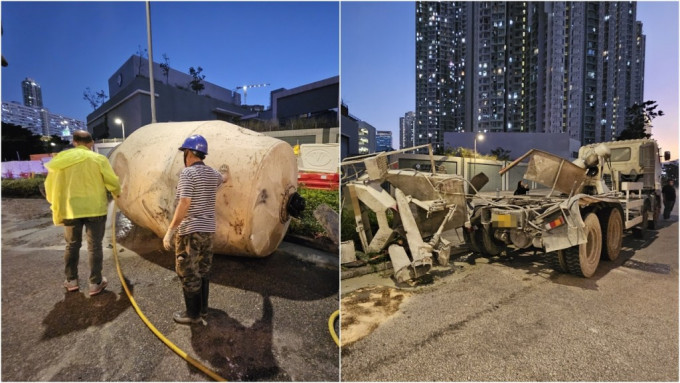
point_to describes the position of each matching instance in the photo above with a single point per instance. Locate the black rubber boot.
(205, 291)
(192, 313)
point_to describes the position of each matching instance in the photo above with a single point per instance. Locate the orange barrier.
(321, 181)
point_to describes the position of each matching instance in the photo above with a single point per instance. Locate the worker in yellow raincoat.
(76, 185)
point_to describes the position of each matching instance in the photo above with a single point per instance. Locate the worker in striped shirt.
(195, 225)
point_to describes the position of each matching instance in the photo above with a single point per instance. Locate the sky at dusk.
(378, 64)
(69, 46)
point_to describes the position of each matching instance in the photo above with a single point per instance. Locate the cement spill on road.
(363, 310)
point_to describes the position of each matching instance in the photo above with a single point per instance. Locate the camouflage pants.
(193, 258)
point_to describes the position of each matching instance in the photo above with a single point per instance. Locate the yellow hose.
(331, 328)
(153, 328)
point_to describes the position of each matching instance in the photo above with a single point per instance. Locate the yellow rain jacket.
(76, 184)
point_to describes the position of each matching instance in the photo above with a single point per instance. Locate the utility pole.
(151, 84)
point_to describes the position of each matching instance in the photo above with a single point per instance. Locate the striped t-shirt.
(198, 182)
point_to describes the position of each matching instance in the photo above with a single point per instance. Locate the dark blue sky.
(378, 64)
(68, 46)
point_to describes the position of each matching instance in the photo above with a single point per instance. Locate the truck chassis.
(580, 220)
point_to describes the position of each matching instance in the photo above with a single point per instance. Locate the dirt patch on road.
(363, 310)
(27, 222)
(23, 209)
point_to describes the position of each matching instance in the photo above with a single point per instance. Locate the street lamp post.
(118, 121)
(479, 137)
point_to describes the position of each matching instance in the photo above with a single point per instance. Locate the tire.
(555, 260)
(490, 246)
(582, 260)
(481, 240)
(474, 237)
(641, 229)
(470, 239)
(611, 222)
(655, 214)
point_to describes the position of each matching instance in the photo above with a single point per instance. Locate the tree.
(18, 143)
(501, 154)
(638, 118)
(197, 83)
(95, 99)
(141, 53)
(670, 170)
(165, 67)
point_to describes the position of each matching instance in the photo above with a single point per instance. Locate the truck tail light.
(559, 221)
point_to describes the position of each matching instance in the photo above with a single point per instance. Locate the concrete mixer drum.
(253, 208)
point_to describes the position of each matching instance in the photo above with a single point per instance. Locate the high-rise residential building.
(623, 62)
(442, 62)
(383, 141)
(526, 67)
(34, 117)
(406, 130)
(40, 121)
(32, 93)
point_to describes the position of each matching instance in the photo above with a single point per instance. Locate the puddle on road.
(658, 268)
(363, 310)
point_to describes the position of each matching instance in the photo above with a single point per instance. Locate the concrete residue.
(363, 310)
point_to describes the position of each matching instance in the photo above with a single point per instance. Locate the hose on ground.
(150, 325)
(331, 328)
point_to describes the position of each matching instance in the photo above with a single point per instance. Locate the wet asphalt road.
(514, 319)
(268, 318)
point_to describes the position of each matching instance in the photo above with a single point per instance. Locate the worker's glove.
(168, 240)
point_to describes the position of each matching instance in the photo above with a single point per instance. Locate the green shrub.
(348, 225)
(307, 225)
(23, 187)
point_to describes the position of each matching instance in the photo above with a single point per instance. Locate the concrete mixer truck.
(612, 187)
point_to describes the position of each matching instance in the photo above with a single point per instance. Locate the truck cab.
(630, 161)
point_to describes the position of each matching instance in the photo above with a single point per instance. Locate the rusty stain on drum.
(238, 226)
(262, 198)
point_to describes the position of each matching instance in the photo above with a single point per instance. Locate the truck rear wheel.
(555, 260)
(640, 230)
(612, 233)
(490, 245)
(655, 213)
(471, 240)
(583, 259)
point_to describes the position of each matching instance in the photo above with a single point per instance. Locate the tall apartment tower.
(443, 66)
(406, 129)
(623, 65)
(595, 68)
(526, 67)
(500, 74)
(32, 93)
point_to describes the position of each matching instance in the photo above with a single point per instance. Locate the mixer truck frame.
(612, 187)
